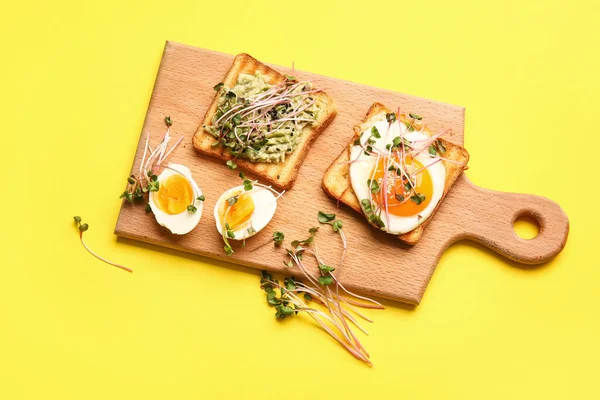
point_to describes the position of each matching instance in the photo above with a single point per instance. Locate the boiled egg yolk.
(398, 198)
(174, 195)
(239, 213)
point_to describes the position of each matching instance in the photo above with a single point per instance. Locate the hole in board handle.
(527, 227)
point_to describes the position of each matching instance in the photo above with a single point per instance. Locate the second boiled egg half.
(244, 213)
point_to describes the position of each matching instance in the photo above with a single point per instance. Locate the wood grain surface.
(376, 264)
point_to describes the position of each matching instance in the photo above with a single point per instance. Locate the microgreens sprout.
(83, 227)
(201, 198)
(146, 180)
(336, 310)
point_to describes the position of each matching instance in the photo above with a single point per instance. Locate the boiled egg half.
(402, 213)
(244, 213)
(177, 190)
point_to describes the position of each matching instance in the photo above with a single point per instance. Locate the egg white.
(362, 169)
(265, 204)
(184, 222)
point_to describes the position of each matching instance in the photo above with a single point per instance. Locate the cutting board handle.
(488, 217)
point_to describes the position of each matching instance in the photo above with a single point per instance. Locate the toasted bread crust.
(336, 181)
(281, 175)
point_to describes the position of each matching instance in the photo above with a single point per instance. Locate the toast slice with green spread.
(263, 121)
(336, 181)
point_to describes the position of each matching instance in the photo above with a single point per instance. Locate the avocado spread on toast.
(262, 122)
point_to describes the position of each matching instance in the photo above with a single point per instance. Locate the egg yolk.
(398, 198)
(239, 213)
(174, 194)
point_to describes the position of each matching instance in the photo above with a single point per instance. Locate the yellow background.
(75, 82)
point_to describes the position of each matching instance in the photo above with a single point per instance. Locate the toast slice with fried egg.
(337, 182)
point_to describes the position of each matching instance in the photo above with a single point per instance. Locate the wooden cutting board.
(377, 264)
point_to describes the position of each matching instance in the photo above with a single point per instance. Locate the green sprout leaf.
(232, 200)
(127, 195)
(325, 280)
(337, 225)
(418, 198)
(376, 220)
(83, 227)
(148, 208)
(168, 121)
(154, 185)
(326, 268)
(325, 218)
(283, 311)
(201, 198)
(272, 297)
(278, 238)
(432, 150)
(231, 164)
(248, 185)
(191, 208)
(307, 297)
(391, 117)
(251, 231)
(289, 283)
(375, 132)
(77, 219)
(374, 185)
(366, 203)
(218, 86)
(228, 250)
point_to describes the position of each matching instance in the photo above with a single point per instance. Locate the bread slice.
(283, 174)
(336, 181)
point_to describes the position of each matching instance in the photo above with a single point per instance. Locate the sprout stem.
(101, 258)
